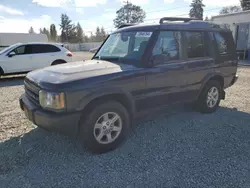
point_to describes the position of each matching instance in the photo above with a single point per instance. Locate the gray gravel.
(187, 149)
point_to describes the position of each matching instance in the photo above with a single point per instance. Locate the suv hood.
(76, 71)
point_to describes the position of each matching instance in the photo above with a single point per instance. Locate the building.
(239, 24)
(7, 39)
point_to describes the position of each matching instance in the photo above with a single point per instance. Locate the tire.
(1, 72)
(58, 62)
(202, 103)
(94, 124)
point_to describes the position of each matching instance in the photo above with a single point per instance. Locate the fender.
(101, 92)
(207, 78)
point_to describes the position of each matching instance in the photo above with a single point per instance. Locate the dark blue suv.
(137, 69)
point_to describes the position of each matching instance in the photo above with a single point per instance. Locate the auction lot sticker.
(143, 34)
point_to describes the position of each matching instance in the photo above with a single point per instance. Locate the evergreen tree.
(98, 35)
(45, 31)
(103, 34)
(31, 30)
(68, 33)
(53, 32)
(196, 10)
(79, 33)
(245, 4)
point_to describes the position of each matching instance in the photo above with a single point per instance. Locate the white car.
(20, 58)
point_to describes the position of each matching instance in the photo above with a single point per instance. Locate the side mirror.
(11, 54)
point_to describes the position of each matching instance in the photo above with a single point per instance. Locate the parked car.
(25, 57)
(94, 50)
(190, 61)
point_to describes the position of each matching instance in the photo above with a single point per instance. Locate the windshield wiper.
(107, 58)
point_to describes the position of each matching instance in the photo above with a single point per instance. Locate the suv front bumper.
(65, 123)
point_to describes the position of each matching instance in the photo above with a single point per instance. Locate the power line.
(110, 29)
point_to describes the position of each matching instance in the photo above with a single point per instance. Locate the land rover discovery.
(138, 68)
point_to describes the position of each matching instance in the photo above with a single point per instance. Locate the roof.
(231, 14)
(53, 43)
(175, 25)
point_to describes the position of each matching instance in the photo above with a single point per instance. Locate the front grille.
(31, 91)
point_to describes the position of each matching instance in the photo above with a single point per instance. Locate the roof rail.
(176, 19)
(125, 25)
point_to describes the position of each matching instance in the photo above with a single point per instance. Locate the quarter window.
(222, 43)
(168, 45)
(44, 48)
(195, 45)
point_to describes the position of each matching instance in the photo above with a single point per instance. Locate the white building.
(239, 24)
(7, 39)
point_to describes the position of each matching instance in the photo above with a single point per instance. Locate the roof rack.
(125, 25)
(176, 19)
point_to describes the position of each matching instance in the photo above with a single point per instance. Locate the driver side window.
(19, 50)
(168, 45)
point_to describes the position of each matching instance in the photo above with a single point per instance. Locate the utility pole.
(127, 16)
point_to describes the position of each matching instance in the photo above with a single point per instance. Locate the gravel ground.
(187, 149)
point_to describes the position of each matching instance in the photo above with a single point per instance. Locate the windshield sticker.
(143, 34)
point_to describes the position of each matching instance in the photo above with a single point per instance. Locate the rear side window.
(51, 48)
(168, 45)
(196, 45)
(224, 42)
(44, 48)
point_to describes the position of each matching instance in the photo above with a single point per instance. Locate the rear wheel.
(105, 127)
(58, 62)
(1, 72)
(210, 97)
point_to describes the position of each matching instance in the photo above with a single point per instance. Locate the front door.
(166, 80)
(21, 61)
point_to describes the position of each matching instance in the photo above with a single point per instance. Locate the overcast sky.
(19, 16)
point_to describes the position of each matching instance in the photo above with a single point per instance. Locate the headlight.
(52, 100)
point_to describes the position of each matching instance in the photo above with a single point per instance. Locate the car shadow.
(7, 81)
(168, 148)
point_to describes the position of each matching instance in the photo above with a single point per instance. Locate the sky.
(19, 16)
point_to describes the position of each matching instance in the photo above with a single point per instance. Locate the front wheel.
(105, 127)
(210, 97)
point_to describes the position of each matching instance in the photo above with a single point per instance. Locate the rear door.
(44, 55)
(200, 62)
(226, 56)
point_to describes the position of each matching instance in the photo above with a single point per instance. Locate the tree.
(230, 9)
(45, 31)
(68, 33)
(103, 34)
(206, 19)
(31, 30)
(129, 13)
(98, 35)
(196, 10)
(245, 4)
(53, 32)
(79, 33)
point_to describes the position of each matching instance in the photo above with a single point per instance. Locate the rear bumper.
(65, 123)
(234, 80)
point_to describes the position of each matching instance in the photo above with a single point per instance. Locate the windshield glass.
(7, 49)
(124, 46)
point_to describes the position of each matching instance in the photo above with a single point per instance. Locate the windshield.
(124, 46)
(7, 49)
